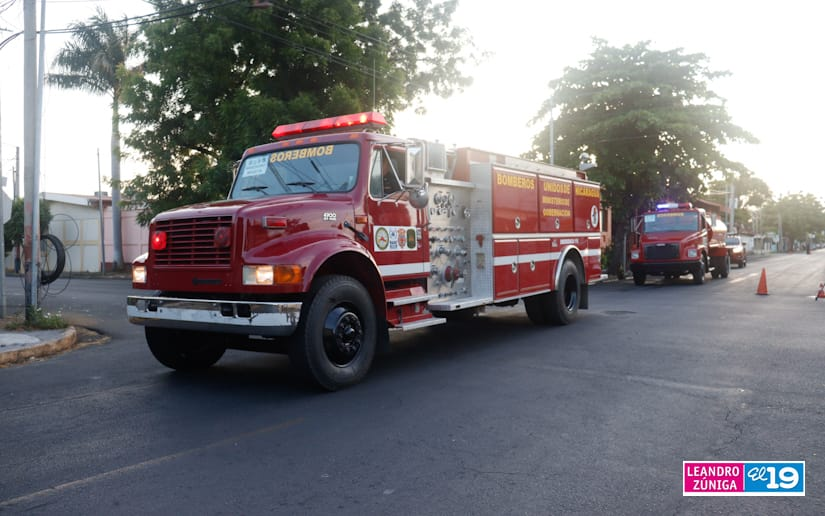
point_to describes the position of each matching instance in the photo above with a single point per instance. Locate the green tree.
(650, 119)
(94, 60)
(795, 216)
(749, 191)
(218, 77)
(13, 228)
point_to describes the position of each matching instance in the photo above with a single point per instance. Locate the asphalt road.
(489, 416)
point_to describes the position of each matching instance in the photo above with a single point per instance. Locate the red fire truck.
(335, 235)
(678, 239)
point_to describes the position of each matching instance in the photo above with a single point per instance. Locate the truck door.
(398, 232)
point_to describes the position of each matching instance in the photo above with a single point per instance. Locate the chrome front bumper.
(238, 317)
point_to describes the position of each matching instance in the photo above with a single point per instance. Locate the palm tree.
(94, 60)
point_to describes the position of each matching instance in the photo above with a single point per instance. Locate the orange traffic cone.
(821, 293)
(762, 289)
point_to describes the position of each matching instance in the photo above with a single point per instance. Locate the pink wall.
(135, 238)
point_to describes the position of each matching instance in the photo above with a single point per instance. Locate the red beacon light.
(366, 120)
(159, 240)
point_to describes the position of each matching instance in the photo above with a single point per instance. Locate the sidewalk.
(19, 346)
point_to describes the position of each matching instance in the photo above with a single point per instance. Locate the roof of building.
(78, 200)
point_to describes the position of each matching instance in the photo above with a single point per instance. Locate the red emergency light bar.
(367, 120)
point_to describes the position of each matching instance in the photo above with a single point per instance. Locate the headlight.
(692, 252)
(258, 275)
(270, 275)
(634, 255)
(138, 274)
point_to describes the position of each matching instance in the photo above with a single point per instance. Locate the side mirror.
(419, 196)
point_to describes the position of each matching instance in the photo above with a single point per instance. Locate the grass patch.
(37, 320)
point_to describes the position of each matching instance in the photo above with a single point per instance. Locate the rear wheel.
(561, 306)
(564, 302)
(184, 350)
(537, 308)
(336, 338)
(726, 267)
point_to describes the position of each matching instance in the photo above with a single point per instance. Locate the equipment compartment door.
(506, 268)
(534, 265)
(515, 202)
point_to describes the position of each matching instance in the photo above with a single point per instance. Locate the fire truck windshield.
(315, 169)
(671, 221)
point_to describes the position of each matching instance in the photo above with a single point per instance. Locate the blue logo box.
(777, 478)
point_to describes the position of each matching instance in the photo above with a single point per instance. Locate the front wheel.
(699, 273)
(336, 338)
(639, 278)
(184, 350)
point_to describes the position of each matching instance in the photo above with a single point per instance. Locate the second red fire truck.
(677, 239)
(335, 235)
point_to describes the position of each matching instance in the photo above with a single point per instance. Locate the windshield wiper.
(320, 174)
(257, 188)
(304, 184)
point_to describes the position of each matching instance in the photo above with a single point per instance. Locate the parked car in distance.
(737, 251)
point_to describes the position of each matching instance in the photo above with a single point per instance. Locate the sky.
(771, 49)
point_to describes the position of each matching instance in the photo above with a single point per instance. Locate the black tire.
(699, 273)
(335, 341)
(51, 247)
(538, 309)
(561, 306)
(726, 267)
(184, 350)
(639, 278)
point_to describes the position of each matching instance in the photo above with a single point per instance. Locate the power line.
(174, 12)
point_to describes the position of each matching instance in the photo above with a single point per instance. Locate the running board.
(451, 305)
(422, 323)
(408, 300)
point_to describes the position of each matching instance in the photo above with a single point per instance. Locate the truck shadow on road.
(264, 377)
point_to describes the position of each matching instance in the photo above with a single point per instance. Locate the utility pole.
(16, 178)
(38, 117)
(100, 211)
(552, 149)
(2, 229)
(29, 129)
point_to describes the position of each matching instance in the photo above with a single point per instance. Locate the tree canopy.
(747, 190)
(650, 119)
(796, 217)
(217, 77)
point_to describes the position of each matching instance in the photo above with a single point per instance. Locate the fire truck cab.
(678, 239)
(335, 235)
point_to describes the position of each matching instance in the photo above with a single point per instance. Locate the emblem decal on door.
(395, 238)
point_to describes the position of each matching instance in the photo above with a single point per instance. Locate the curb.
(64, 342)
